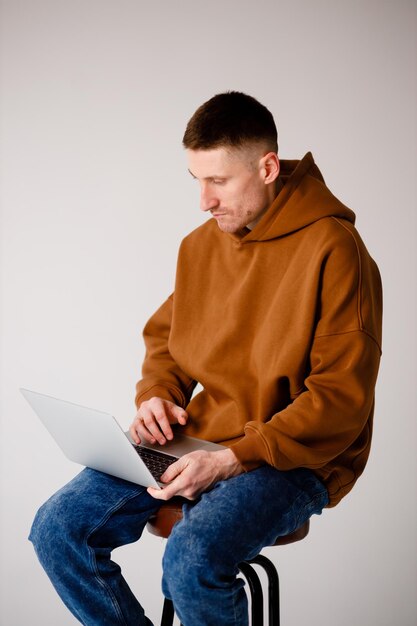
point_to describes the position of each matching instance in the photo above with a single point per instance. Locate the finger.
(158, 494)
(138, 431)
(142, 431)
(134, 434)
(174, 488)
(163, 422)
(150, 424)
(179, 414)
(172, 471)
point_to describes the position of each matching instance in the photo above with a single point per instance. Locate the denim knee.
(50, 532)
(58, 535)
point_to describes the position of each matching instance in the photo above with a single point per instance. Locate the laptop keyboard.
(155, 461)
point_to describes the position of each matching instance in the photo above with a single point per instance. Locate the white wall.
(96, 198)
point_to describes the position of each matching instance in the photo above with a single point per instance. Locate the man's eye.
(218, 181)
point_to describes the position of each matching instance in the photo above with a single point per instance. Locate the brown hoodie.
(281, 325)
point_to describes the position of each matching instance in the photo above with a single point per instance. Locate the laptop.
(95, 439)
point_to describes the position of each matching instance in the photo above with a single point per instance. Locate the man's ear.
(269, 167)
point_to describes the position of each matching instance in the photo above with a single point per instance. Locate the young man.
(277, 313)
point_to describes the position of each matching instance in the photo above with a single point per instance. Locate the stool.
(161, 525)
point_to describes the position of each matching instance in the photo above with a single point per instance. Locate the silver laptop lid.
(90, 437)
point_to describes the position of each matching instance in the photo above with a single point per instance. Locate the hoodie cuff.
(250, 451)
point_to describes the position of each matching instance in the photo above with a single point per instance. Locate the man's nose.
(208, 199)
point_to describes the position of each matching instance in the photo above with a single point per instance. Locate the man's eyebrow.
(214, 177)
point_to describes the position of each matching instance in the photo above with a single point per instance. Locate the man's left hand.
(196, 472)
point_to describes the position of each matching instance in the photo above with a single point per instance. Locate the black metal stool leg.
(256, 593)
(257, 610)
(273, 588)
(167, 613)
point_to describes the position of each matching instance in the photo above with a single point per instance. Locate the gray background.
(96, 199)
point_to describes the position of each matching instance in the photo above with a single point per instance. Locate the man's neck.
(278, 186)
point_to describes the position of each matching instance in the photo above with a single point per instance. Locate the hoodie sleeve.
(161, 376)
(331, 418)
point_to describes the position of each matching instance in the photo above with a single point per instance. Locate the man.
(277, 313)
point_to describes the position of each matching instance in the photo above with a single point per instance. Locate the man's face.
(232, 185)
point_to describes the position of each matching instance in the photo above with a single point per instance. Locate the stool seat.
(170, 512)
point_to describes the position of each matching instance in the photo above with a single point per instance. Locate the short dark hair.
(230, 119)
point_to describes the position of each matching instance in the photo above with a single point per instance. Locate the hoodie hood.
(303, 199)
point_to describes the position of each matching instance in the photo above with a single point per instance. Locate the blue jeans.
(75, 531)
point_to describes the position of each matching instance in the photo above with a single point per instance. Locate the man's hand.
(153, 421)
(196, 472)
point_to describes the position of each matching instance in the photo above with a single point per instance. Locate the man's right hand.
(153, 420)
